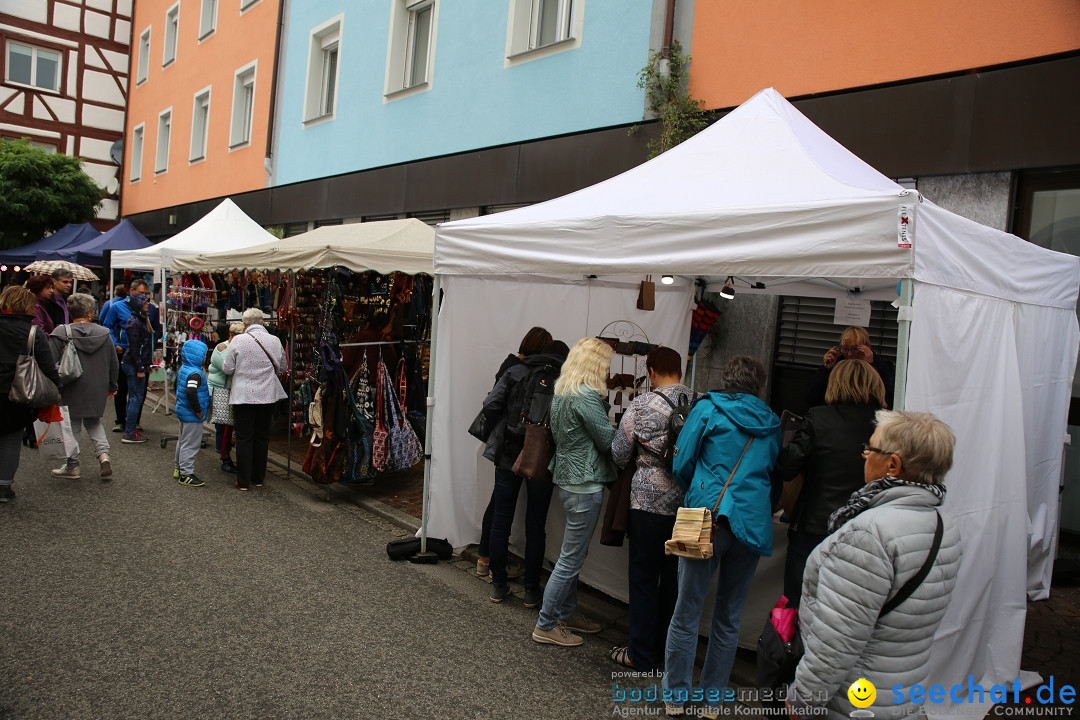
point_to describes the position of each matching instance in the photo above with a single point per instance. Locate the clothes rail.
(386, 342)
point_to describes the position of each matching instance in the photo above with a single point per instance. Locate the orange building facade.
(805, 48)
(202, 78)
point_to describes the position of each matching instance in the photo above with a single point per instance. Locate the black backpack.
(531, 399)
(675, 425)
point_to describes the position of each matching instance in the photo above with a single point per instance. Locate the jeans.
(504, 498)
(800, 545)
(484, 549)
(560, 595)
(654, 586)
(252, 442)
(223, 441)
(95, 431)
(121, 397)
(136, 393)
(736, 564)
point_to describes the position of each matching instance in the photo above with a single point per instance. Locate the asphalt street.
(141, 598)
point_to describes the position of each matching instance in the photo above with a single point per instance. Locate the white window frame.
(164, 140)
(35, 53)
(143, 70)
(405, 40)
(320, 95)
(200, 125)
(245, 4)
(172, 35)
(524, 28)
(138, 135)
(207, 18)
(243, 107)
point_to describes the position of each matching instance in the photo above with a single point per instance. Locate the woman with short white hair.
(254, 359)
(890, 547)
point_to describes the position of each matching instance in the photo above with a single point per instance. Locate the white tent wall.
(481, 321)
(766, 195)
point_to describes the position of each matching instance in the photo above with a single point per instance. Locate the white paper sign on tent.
(852, 310)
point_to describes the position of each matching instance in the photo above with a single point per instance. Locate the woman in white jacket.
(880, 539)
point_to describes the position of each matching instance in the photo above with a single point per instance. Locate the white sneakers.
(67, 471)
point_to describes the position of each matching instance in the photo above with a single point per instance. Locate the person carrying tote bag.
(730, 440)
(16, 308)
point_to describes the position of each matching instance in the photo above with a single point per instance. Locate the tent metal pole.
(903, 337)
(436, 289)
(693, 371)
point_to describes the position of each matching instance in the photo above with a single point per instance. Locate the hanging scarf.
(862, 498)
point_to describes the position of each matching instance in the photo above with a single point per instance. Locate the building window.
(200, 124)
(144, 57)
(28, 65)
(207, 18)
(245, 4)
(136, 154)
(411, 44)
(243, 106)
(164, 129)
(172, 29)
(322, 78)
(536, 24)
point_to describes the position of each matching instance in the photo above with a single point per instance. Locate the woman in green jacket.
(582, 464)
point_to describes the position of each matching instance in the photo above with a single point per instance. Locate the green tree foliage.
(41, 192)
(665, 85)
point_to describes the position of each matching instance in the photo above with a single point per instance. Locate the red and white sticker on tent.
(905, 226)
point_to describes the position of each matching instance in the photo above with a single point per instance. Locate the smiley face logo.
(862, 693)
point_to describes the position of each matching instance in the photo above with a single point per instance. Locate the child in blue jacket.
(192, 403)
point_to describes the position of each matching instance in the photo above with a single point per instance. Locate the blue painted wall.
(473, 100)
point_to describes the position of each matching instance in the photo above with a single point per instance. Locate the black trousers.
(252, 430)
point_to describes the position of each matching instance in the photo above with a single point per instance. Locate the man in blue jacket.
(115, 320)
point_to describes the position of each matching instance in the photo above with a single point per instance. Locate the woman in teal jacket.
(581, 466)
(730, 429)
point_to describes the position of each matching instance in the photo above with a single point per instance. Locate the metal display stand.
(628, 336)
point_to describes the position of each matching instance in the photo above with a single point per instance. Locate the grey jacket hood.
(88, 337)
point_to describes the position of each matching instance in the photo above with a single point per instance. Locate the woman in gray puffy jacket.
(880, 539)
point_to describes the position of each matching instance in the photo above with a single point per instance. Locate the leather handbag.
(29, 386)
(536, 453)
(481, 427)
(70, 366)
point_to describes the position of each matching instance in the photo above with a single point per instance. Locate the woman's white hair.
(252, 316)
(923, 442)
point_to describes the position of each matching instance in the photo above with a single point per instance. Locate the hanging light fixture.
(16, 268)
(668, 279)
(728, 291)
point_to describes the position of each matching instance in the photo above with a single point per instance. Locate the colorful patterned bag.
(405, 450)
(380, 439)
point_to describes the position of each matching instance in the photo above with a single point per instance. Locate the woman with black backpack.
(522, 387)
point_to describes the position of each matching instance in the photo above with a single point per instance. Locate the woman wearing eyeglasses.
(825, 449)
(854, 345)
(891, 548)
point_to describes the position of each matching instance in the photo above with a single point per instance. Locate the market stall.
(353, 305)
(70, 234)
(988, 329)
(91, 252)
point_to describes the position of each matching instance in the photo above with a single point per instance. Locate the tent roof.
(761, 194)
(121, 237)
(70, 234)
(226, 227)
(384, 246)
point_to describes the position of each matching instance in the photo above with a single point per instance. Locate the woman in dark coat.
(826, 449)
(42, 288)
(16, 308)
(85, 396)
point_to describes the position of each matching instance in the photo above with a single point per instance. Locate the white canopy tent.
(385, 246)
(226, 227)
(988, 338)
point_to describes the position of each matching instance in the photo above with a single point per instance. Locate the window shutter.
(806, 330)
